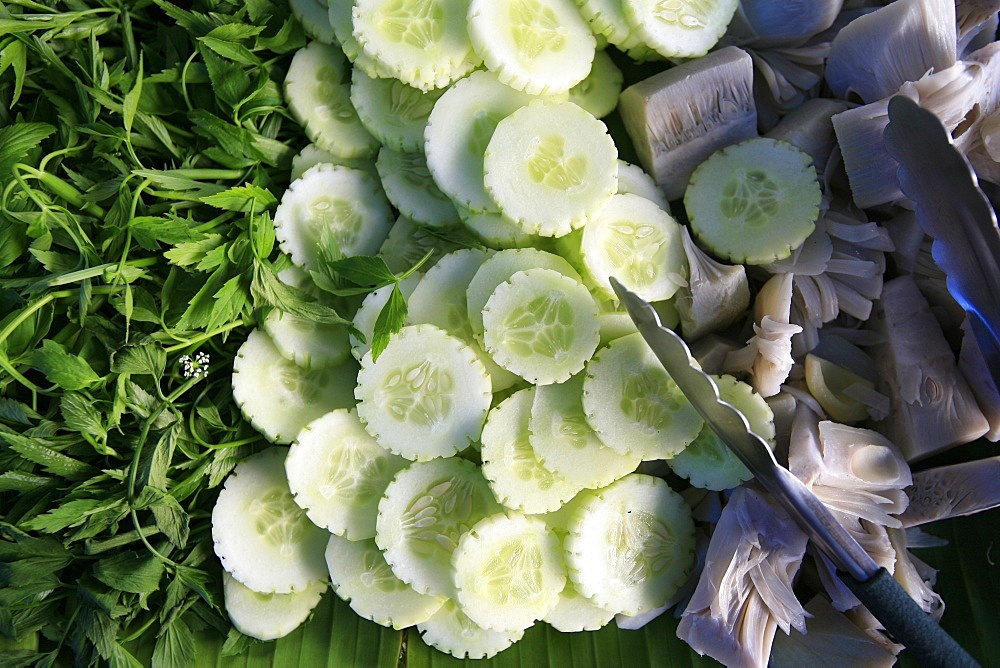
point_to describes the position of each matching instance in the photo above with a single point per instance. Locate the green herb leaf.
(365, 271)
(244, 198)
(68, 371)
(133, 572)
(17, 140)
(389, 321)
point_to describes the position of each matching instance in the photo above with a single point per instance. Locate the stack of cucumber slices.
(487, 468)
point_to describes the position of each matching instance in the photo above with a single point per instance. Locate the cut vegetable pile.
(443, 416)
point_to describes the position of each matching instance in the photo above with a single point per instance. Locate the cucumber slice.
(498, 268)
(515, 473)
(268, 616)
(635, 180)
(361, 576)
(539, 46)
(452, 632)
(680, 28)
(320, 101)
(411, 189)
(574, 613)
(549, 165)
(509, 571)
(566, 444)
(631, 545)
(439, 300)
(337, 473)
(708, 462)
(495, 231)
(634, 405)
(457, 133)
(367, 314)
(312, 155)
(423, 43)
(599, 90)
(408, 243)
(261, 537)
(341, 15)
(315, 20)
(278, 397)
(426, 396)
(394, 113)
(753, 202)
(343, 210)
(638, 243)
(541, 325)
(607, 19)
(423, 514)
(306, 342)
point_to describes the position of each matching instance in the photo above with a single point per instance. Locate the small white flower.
(196, 367)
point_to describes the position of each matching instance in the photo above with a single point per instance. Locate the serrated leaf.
(245, 198)
(68, 371)
(194, 252)
(364, 270)
(17, 140)
(15, 411)
(389, 321)
(133, 572)
(14, 56)
(52, 461)
(172, 520)
(130, 104)
(232, 50)
(151, 231)
(73, 514)
(175, 646)
(143, 358)
(229, 81)
(80, 414)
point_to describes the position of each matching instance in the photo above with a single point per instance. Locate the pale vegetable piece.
(607, 19)
(394, 113)
(423, 43)
(716, 294)
(408, 243)
(563, 440)
(541, 325)
(830, 638)
(809, 127)
(340, 210)
(679, 117)
(633, 179)
(637, 242)
(337, 473)
(458, 130)
(630, 545)
(341, 19)
(933, 407)
(916, 578)
(491, 228)
(574, 612)
(773, 23)
(549, 166)
(744, 594)
(841, 377)
(498, 268)
(426, 509)
(294, 395)
(361, 577)
(426, 395)
(305, 341)
(680, 28)
(320, 101)
(451, 631)
(879, 51)
(315, 19)
(509, 571)
(268, 616)
(767, 357)
(753, 202)
(633, 405)
(262, 538)
(539, 46)
(410, 188)
(952, 490)
(598, 92)
(515, 473)
(708, 462)
(973, 366)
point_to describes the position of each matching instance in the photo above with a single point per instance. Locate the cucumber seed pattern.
(417, 23)
(377, 574)
(685, 13)
(536, 28)
(354, 473)
(514, 574)
(542, 327)
(304, 388)
(409, 104)
(280, 521)
(751, 196)
(650, 398)
(639, 548)
(419, 394)
(435, 521)
(333, 217)
(550, 166)
(638, 249)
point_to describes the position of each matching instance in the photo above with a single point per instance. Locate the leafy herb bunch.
(141, 147)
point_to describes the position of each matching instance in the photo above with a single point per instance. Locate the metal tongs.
(874, 586)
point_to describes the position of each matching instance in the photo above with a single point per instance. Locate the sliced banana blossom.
(716, 293)
(785, 78)
(976, 20)
(809, 128)
(875, 54)
(768, 23)
(767, 357)
(744, 594)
